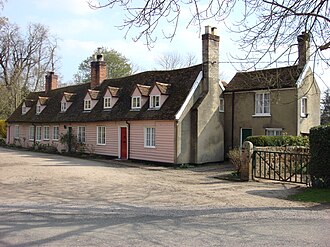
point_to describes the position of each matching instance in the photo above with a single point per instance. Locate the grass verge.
(312, 195)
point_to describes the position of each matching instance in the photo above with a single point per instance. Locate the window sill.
(135, 109)
(262, 115)
(149, 146)
(101, 144)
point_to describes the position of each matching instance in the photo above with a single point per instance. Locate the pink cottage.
(163, 116)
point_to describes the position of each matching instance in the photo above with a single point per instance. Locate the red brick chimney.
(50, 81)
(98, 70)
(303, 49)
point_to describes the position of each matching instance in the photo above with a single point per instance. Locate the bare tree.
(266, 26)
(24, 60)
(174, 60)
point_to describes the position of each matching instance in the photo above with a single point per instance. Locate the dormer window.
(38, 109)
(136, 102)
(67, 100)
(63, 106)
(107, 103)
(155, 101)
(41, 104)
(87, 104)
(23, 109)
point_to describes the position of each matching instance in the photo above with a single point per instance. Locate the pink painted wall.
(165, 141)
(162, 152)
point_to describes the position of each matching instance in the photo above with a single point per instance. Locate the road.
(52, 200)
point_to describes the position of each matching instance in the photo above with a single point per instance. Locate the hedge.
(320, 156)
(278, 141)
(3, 129)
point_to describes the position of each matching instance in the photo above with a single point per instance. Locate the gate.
(282, 166)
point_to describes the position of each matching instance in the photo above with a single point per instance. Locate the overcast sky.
(81, 30)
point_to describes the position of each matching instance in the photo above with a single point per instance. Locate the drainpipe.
(128, 138)
(176, 142)
(232, 119)
(34, 134)
(8, 134)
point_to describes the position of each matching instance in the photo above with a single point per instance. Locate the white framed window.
(107, 102)
(100, 135)
(56, 133)
(23, 109)
(16, 132)
(222, 105)
(262, 104)
(31, 133)
(46, 133)
(274, 131)
(64, 106)
(303, 112)
(149, 137)
(38, 133)
(136, 102)
(81, 134)
(38, 109)
(154, 101)
(87, 104)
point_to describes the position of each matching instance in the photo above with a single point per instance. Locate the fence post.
(246, 168)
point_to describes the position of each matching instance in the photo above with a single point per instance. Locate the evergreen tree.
(325, 111)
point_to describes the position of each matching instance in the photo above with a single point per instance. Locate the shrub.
(263, 141)
(234, 156)
(320, 156)
(3, 129)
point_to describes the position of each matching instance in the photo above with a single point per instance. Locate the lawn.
(312, 195)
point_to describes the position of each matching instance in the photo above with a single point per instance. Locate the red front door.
(123, 143)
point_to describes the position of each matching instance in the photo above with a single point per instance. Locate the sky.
(81, 30)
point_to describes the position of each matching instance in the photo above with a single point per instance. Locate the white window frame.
(16, 132)
(101, 135)
(24, 110)
(38, 109)
(153, 103)
(222, 105)
(31, 133)
(303, 107)
(107, 102)
(38, 133)
(87, 104)
(46, 133)
(275, 131)
(56, 133)
(81, 134)
(149, 137)
(64, 106)
(260, 106)
(136, 102)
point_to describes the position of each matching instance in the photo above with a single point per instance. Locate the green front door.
(245, 133)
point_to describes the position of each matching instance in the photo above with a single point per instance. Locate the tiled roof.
(181, 81)
(69, 97)
(114, 91)
(164, 88)
(144, 89)
(284, 77)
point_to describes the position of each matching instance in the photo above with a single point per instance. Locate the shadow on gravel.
(48, 224)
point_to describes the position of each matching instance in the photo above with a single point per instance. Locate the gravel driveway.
(40, 193)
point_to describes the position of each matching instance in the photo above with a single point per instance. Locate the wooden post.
(246, 166)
